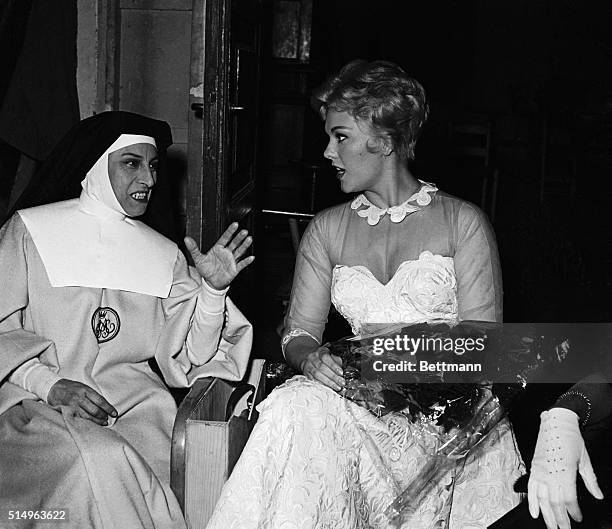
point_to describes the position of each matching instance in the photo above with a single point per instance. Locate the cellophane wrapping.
(457, 408)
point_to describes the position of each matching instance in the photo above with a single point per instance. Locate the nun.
(88, 296)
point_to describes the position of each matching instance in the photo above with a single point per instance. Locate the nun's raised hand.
(223, 262)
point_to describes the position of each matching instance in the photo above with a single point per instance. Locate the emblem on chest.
(105, 324)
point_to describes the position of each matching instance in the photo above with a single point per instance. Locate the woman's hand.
(559, 455)
(221, 264)
(83, 400)
(322, 366)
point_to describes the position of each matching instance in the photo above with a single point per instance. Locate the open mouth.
(140, 196)
(339, 172)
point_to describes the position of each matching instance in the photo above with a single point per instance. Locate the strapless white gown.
(317, 460)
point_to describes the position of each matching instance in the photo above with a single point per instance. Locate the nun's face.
(133, 172)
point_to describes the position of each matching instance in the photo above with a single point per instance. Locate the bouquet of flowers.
(459, 381)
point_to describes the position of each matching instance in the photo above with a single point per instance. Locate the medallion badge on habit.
(105, 324)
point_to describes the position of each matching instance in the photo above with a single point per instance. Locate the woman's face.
(358, 167)
(133, 173)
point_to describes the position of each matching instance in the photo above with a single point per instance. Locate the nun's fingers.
(192, 248)
(239, 252)
(240, 266)
(101, 403)
(88, 410)
(237, 240)
(227, 234)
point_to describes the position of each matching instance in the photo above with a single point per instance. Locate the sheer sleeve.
(590, 399)
(479, 285)
(310, 295)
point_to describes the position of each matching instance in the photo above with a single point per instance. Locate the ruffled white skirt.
(317, 460)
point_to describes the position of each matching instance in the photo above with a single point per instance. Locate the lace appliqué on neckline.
(398, 213)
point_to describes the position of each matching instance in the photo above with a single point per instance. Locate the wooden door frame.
(108, 17)
(210, 70)
(206, 200)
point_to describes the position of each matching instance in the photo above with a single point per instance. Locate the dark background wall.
(475, 52)
(537, 72)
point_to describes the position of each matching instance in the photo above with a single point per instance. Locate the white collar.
(90, 242)
(82, 243)
(398, 213)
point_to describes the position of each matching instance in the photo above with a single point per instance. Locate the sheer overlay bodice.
(440, 262)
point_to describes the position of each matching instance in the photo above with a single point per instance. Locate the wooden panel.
(239, 430)
(212, 451)
(224, 95)
(286, 39)
(305, 30)
(228, 77)
(205, 469)
(110, 26)
(177, 171)
(154, 65)
(212, 447)
(195, 160)
(212, 408)
(87, 56)
(208, 399)
(154, 77)
(177, 468)
(215, 84)
(243, 144)
(292, 30)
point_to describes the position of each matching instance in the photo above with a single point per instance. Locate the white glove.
(559, 452)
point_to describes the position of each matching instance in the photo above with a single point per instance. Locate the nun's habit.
(91, 295)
